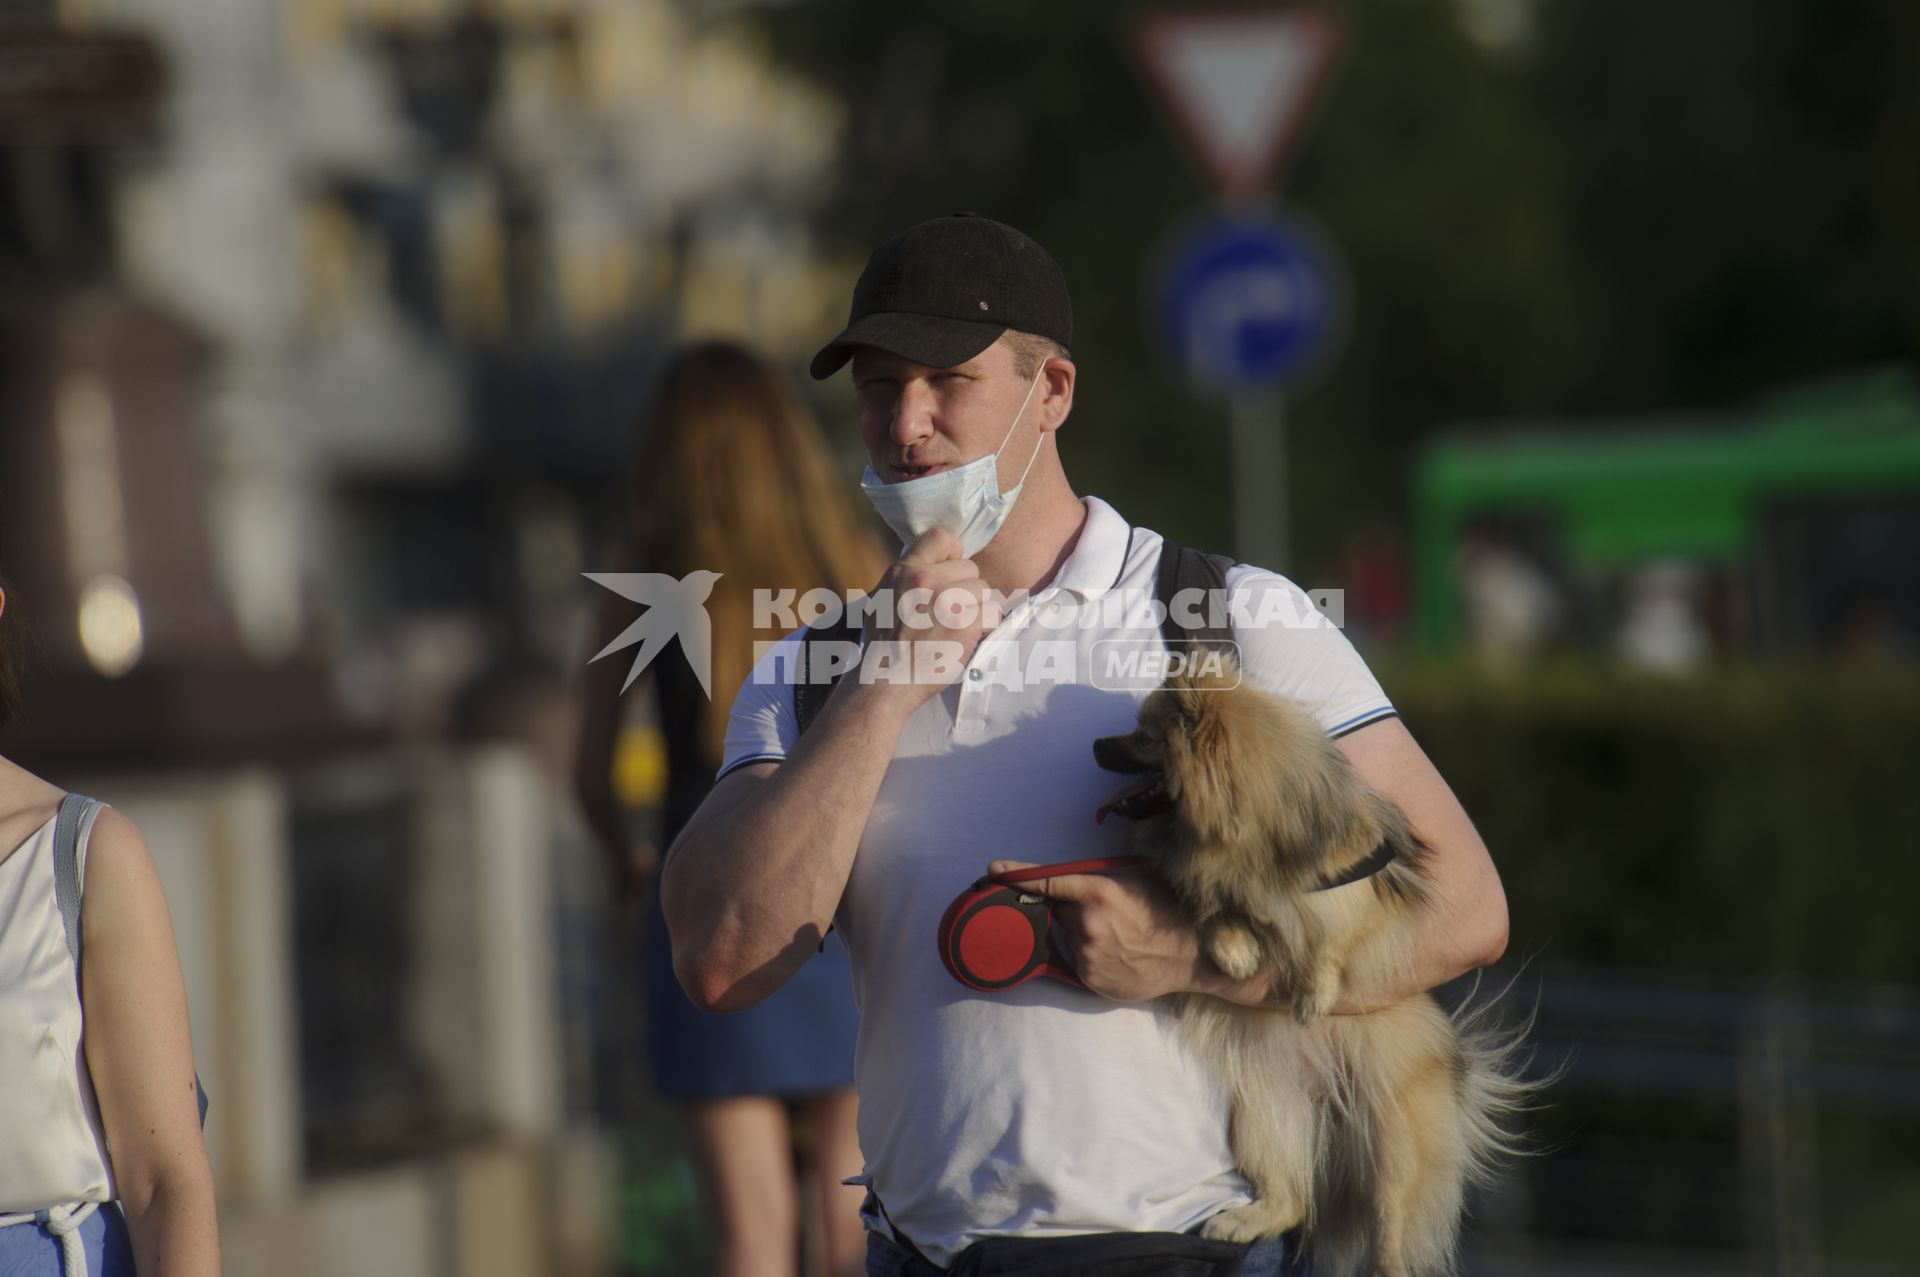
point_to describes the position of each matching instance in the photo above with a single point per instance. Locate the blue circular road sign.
(1248, 301)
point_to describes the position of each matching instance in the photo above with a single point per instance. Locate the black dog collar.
(1379, 858)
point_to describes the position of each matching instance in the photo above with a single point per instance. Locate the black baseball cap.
(941, 292)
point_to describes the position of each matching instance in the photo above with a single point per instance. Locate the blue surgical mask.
(965, 500)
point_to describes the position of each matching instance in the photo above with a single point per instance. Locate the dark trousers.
(1096, 1255)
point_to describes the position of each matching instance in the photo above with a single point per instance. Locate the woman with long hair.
(97, 1093)
(731, 476)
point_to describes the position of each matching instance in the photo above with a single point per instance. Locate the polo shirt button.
(973, 676)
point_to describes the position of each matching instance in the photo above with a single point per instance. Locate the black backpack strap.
(1185, 569)
(809, 694)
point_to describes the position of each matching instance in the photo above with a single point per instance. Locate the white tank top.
(52, 1148)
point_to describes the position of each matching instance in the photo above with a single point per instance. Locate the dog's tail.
(1483, 1132)
(1498, 1084)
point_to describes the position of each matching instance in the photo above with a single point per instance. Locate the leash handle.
(1100, 864)
(995, 935)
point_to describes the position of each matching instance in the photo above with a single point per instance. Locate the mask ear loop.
(1035, 454)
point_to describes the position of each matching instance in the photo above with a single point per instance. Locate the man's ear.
(1057, 394)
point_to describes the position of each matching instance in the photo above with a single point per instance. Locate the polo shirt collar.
(1099, 556)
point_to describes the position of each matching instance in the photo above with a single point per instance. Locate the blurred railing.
(422, 890)
(369, 953)
(1712, 1126)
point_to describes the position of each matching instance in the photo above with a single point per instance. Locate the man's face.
(917, 420)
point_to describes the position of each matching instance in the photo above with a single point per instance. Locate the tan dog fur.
(1363, 1129)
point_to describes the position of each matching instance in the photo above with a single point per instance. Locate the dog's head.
(1223, 764)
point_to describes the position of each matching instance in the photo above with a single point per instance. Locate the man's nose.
(912, 414)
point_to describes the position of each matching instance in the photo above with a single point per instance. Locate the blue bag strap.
(72, 826)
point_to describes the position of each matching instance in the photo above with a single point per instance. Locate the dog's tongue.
(1121, 795)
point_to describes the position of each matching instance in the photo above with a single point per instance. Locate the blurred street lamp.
(111, 634)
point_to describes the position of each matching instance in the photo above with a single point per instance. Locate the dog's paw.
(1264, 1218)
(1312, 1005)
(1317, 1000)
(1234, 950)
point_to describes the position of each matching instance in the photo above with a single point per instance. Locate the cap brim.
(925, 339)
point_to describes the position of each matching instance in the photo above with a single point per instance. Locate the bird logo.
(674, 607)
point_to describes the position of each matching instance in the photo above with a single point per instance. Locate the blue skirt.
(29, 1250)
(797, 1042)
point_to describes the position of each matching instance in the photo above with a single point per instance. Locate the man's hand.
(938, 597)
(1129, 942)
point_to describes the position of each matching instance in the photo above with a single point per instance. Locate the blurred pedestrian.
(97, 1094)
(1513, 607)
(732, 477)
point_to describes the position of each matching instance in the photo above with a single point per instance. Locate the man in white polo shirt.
(1044, 1112)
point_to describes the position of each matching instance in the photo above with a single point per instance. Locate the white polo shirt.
(1043, 1110)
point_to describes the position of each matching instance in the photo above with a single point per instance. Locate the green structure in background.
(1697, 490)
(660, 1226)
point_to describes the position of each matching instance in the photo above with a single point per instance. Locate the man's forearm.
(749, 893)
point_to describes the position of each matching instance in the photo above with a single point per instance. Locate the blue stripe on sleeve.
(1363, 720)
(738, 763)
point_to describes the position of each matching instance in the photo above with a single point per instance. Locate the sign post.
(1259, 458)
(1246, 300)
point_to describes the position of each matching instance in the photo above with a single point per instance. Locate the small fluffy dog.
(1366, 1129)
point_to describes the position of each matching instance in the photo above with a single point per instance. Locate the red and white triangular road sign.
(1239, 84)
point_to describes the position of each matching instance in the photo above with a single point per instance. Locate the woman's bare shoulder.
(116, 840)
(124, 905)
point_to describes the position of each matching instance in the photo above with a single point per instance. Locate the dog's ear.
(1220, 675)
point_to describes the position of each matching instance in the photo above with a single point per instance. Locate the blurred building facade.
(324, 325)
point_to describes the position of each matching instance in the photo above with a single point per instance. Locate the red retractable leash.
(995, 936)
